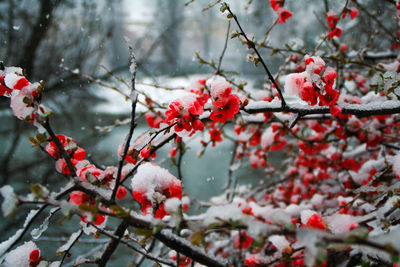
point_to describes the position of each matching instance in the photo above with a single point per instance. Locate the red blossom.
(228, 111)
(215, 135)
(3, 88)
(315, 222)
(276, 4)
(353, 12)
(67, 142)
(242, 240)
(21, 83)
(34, 258)
(121, 192)
(253, 260)
(153, 120)
(183, 260)
(336, 32)
(283, 15)
(332, 18)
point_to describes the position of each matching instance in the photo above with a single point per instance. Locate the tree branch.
(134, 96)
(252, 45)
(360, 110)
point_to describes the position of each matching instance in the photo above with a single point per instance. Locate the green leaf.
(157, 229)
(27, 101)
(34, 142)
(39, 191)
(41, 138)
(89, 208)
(143, 232)
(224, 7)
(196, 238)
(234, 35)
(119, 211)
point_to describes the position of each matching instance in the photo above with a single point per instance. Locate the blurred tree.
(169, 19)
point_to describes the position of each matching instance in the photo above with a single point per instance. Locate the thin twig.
(133, 68)
(66, 253)
(64, 154)
(252, 45)
(224, 49)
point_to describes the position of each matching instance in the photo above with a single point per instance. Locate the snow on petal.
(20, 255)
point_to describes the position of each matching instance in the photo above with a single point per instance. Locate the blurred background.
(71, 43)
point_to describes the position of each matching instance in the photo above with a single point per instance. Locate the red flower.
(228, 111)
(335, 32)
(145, 153)
(253, 260)
(173, 151)
(242, 240)
(78, 198)
(283, 15)
(308, 94)
(185, 112)
(335, 110)
(121, 192)
(330, 97)
(79, 154)
(34, 258)
(183, 260)
(99, 219)
(353, 12)
(3, 88)
(315, 222)
(215, 135)
(332, 18)
(67, 142)
(248, 211)
(21, 83)
(275, 4)
(152, 120)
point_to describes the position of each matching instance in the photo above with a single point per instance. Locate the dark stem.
(224, 49)
(37, 36)
(252, 45)
(59, 146)
(66, 253)
(132, 124)
(113, 244)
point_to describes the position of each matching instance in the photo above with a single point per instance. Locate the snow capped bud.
(353, 12)
(220, 91)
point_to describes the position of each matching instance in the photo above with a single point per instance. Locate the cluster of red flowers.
(75, 152)
(313, 87)
(283, 14)
(225, 104)
(23, 94)
(332, 18)
(152, 185)
(80, 198)
(5, 91)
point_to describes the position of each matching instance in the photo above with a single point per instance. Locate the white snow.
(67, 245)
(150, 177)
(10, 200)
(396, 165)
(20, 255)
